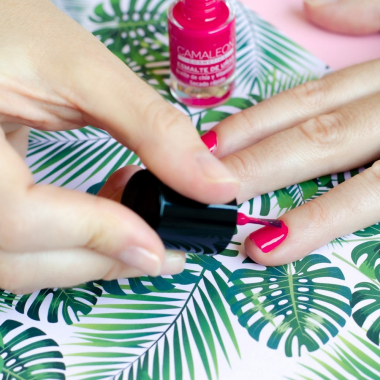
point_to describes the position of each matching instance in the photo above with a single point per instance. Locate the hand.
(356, 17)
(321, 127)
(54, 75)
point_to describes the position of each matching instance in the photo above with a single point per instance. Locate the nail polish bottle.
(202, 42)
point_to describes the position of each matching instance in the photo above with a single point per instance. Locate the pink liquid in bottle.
(202, 41)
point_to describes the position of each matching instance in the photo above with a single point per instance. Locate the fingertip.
(174, 263)
(115, 184)
(345, 17)
(265, 246)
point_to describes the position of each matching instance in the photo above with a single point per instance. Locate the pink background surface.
(336, 50)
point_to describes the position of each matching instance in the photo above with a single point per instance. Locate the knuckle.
(97, 238)
(11, 231)
(244, 123)
(243, 165)
(113, 272)
(8, 280)
(310, 94)
(324, 130)
(374, 171)
(370, 182)
(164, 118)
(319, 216)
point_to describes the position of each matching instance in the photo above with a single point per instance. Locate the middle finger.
(334, 142)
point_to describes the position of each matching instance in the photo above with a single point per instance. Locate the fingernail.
(213, 169)
(210, 139)
(316, 3)
(174, 263)
(268, 238)
(141, 259)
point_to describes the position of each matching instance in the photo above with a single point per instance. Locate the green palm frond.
(264, 51)
(353, 358)
(294, 296)
(75, 157)
(78, 300)
(23, 354)
(191, 322)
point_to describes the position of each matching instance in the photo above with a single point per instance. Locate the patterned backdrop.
(224, 317)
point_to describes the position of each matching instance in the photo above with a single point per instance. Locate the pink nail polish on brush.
(202, 42)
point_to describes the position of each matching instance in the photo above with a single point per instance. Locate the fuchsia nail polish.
(202, 41)
(210, 140)
(268, 238)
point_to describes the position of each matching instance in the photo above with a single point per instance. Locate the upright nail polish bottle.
(202, 41)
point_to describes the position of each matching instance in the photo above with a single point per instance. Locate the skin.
(55, 237)
(75, 237)
(322, 127)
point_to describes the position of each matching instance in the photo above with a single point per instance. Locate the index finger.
(38, 218)
(296, 106)
(137, 116)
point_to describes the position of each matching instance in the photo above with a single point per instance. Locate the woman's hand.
(319, 128)
(322, 127)
(54, 75)
(51, 237)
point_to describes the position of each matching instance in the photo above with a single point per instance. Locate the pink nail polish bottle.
(202, 41)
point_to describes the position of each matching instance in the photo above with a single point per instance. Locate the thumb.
(355, 17)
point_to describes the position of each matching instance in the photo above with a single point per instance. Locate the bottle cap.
(183, 224)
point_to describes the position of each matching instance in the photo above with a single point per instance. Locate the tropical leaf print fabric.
(224, 317)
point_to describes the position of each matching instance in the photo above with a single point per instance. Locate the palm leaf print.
(187, 326)
(23, 356)
(352, 358)
(75, 157)
(187, 321)
(293, 295)
(265, 55)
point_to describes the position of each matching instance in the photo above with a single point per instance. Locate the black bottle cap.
(182, 224)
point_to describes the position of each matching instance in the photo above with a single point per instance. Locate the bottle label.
(204, 62)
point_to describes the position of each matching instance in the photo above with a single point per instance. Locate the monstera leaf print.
(136, 32)
(78, 300)
(295, 297)
(24, 354)
(366, 297)
(6, 300)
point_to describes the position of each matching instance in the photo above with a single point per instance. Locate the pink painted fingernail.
(210, 139)
(268, 238)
